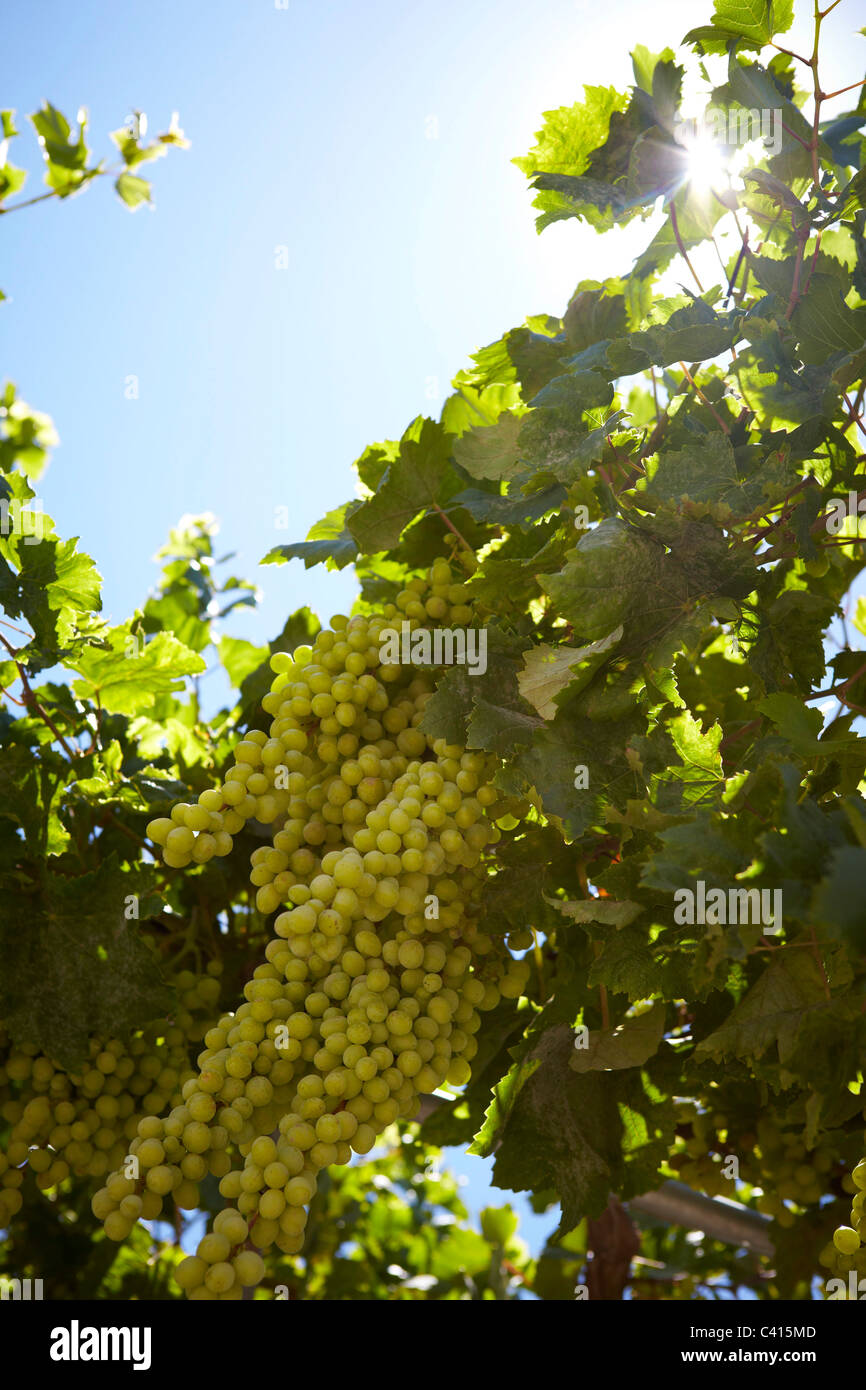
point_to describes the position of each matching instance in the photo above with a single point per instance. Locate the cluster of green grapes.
(700, 1159)
(787, 1171)
(79, 1123)
(370, 991)
(775, 1160)
(847, 1250)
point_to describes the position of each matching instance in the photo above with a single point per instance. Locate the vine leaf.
(750, 23)
(547, 670)
(605, 910)
(559, 1130)
(329, 541)
(125, 680)
(801, 726)
(51, 585)
(422, 475)
(630, 1044)
(771, 1013)
(491, 451)
(838, 899)
(74, 966)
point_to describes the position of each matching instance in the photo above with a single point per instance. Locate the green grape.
(82, 1123)
(190, 1272)
(846, 1240)
(249, 1268)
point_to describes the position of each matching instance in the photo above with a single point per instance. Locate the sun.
(706, 166)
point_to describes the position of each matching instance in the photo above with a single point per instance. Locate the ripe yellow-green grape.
(374, 979)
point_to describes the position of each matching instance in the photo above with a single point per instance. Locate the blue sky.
(373, 141)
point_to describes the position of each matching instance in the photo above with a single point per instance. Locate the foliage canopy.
(654, 498)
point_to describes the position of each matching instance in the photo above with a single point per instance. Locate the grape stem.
(32, 703)
(451, 527)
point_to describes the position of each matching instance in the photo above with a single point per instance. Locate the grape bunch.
(372, 985)
(79, 1123)
(773, 1159)
(787, 1171)
(847, 1251)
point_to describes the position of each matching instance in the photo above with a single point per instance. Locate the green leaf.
(801, 726)
(630, 1044)
(839, 900)
(420, 477)
(30, 793)
(498, 1224)
(505, 1094)
(134, 152)
(751, 23)
(483, 710)
(240, 658)
(126, 677)
(699, 752)
(605, 910)
(526, 357)
(753, 87)
(26, 436)
(772, 1013)
(615, 574)
(644, 64)
(577, 766)
(781, 395)
(776, 190)
(51, 586)
(566, 143)
(549, 670)
(179, 611)
(692, 334)
(329, 541)
(66, 158)
(823, 322)
(593, 315)
(12, 179)
(514, 510)
(627, 965)
(552, 436)
(75, 966)
(561, 1131)
(470, 407)
(461, 1252)
(709, 475)
(491, 451)
(132, 189)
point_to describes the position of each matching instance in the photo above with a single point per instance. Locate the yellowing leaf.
(548, 670)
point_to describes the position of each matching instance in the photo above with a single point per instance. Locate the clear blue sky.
(311, 129)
